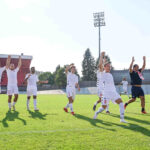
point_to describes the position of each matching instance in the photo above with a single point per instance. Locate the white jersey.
(125, 84)
(1, 71)
(72, 80)
(109, 85)
(32, 81)
(100, 83)
(12, 77)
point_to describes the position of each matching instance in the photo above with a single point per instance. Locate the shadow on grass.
(134, 127)
(94, 122)
(12, 116)
(37, 114)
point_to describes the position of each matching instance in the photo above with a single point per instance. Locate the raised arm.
(68, 67)
(8, 61)
(19, 62)
(131, 65)
(101, 61)
(144, 63)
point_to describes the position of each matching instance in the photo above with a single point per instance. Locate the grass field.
(53, 129)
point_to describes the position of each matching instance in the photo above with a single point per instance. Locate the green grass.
(53, 129)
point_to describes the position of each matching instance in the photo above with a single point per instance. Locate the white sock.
(67, 105)
(121, 110)
(101, 109)
(34, 102)
(14, 103)
(9, 105)
(28, 101)
(107, 108)
(71, 107)
(96, 103)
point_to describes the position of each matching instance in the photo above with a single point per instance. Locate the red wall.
(25, 68)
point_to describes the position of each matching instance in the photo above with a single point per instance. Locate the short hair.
(135, 65)
(106, 63)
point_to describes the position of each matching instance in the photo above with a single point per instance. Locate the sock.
(96, 103)
(28, 101)
(107, 108)
(71, 107)
(121, 110)
(67, 105)
(14, 103)
(34, 102)
(101, 109)
(143, 109)
(9, 105)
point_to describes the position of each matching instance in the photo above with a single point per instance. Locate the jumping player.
(124, 84)
(72, 84)
(2, 69)
(100, 86)
(109, 92)
(136, 82)
(32, 80)
(12, 87)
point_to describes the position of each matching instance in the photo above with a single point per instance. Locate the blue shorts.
(137, 92)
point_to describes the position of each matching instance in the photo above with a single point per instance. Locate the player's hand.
(133, 59)
(102, 54)
(29, 75)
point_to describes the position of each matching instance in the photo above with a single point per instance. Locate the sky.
(59, 31)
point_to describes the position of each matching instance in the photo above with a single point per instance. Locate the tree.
(88, 67)
(47, 76)
(60, 77)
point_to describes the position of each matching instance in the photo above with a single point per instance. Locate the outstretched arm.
(8, 61)
(144, 63)
(20, 62)
(101, 61)
(131, 65)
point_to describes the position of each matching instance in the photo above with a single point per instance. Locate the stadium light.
(99, 21)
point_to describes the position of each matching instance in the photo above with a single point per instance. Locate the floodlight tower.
(99, 21)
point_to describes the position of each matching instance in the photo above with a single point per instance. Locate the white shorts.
(125, 90)
(111, 95)
(31, 92)
(12, 90)
(71, 92)
(100, 93)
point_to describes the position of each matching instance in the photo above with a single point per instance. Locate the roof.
(16, 56)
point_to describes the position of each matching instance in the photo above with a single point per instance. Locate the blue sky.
(59, 31)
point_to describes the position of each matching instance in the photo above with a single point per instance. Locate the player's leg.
(35, 103)
(107, 109)
(142, 97)
(102, 108)
(28, 102)
(9, 102)
(97, 102)
(120, 103)
(134, 96)
(15, 100)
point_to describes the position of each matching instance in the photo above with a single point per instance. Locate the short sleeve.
(3, 68)
(26, 76)
(17, 69)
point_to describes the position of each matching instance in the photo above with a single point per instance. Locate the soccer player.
(109, 92)
(125, 87)
(136, 82)
(2, 69)
(32, 80)
(72, 84)
(12, 87)
(100, 86)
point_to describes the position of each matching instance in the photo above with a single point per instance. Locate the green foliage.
(88, 67)
(47, 76)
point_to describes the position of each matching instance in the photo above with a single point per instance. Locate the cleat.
(94, 107)
(72, 113)
(36, 109)
(123, 121)
(144, 112)
(65, 109)
(107, 112)
(95, 116)
(14, 109)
